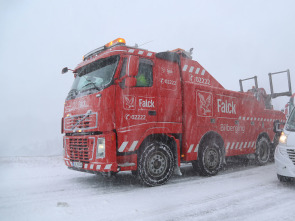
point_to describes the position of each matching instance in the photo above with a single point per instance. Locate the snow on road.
(33, 188)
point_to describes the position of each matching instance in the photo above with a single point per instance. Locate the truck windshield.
(290, 126)
(94, 77)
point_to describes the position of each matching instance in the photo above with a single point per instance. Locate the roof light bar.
(98, 50)
(116, 41)
(95, 51)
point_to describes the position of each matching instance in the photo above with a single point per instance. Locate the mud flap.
(177, 171)
(177, 157)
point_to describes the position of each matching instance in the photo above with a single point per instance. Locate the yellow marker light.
(68, 115)
(80, 131)
(116, 41)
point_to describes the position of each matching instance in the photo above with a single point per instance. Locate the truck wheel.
(156, 164)
(284, 179)
(262, 154)
(209, 160)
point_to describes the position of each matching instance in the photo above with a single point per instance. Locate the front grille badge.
(80, 121)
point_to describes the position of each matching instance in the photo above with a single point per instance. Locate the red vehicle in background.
(131, 109)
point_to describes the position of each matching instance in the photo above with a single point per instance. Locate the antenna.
(146, 43)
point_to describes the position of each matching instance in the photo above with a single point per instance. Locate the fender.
(214, 133)
(163, 131)
(263, 134)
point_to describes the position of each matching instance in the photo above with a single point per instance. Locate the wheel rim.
(157, 164)
(211, 158)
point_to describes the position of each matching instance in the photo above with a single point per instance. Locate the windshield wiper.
(90, 82)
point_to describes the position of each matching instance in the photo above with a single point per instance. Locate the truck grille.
(80, 149)
(90, 122)
(291, 153)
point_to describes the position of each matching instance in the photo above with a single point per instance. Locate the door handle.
(152, 113)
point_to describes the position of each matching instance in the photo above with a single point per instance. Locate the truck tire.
(284, 179)
(209, 160)
(262, 154)
(156, 164)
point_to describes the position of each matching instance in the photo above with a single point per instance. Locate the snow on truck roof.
(192, 70)
(119, 45)
(114, 47)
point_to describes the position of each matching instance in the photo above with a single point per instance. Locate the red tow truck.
(130, 109)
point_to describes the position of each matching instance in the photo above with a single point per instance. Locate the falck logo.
(204, 105)
(129, 102)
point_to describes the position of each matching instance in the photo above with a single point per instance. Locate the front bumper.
(93, 167)
(80, 153)
(285, 166)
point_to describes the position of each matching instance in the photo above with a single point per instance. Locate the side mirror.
(132, 66)
(278, 127)
(117, 81)
(130, 82)
(64, 70)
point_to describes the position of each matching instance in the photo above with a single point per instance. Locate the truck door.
(169, 91)
(136, 104)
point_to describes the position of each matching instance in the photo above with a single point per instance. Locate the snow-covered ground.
(42, 188)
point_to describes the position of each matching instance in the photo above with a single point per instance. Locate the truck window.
(145, 73)
(123, 69)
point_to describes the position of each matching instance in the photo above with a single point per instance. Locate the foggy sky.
(231, 39)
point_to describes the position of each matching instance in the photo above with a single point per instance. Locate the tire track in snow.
(227, 196)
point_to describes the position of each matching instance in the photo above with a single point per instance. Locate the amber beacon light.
(116, 41)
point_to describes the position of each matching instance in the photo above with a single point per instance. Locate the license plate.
(78, 164)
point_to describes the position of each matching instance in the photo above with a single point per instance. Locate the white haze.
(231, 39)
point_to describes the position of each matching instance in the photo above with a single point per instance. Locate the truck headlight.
(283, 138)
(100, 149)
